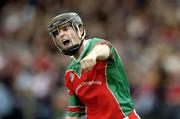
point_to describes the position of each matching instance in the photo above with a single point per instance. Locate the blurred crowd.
(146, 33)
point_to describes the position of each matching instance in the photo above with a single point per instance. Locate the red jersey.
(103, 91)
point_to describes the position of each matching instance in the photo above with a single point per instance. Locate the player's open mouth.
(66, 42)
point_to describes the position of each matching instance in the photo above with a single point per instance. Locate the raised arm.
(99, 52)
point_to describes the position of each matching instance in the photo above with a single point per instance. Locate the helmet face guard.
(66, 20)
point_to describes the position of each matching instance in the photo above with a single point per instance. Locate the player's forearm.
(68, 117)
(101, 52)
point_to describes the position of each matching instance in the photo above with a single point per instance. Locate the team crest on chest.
(71, 77)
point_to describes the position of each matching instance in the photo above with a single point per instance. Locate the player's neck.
(78, 54)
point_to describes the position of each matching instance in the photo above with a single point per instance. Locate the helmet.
(69, 19)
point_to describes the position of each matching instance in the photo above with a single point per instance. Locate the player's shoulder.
(71, 65)
(96, 39)
(92, 41)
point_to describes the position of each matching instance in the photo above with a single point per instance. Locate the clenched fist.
(99, 52)
(88, 62)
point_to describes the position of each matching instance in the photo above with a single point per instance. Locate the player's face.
(65, 37)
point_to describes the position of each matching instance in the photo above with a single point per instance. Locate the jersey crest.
(71, 77)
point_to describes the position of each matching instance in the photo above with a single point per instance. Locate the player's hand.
(88, 62)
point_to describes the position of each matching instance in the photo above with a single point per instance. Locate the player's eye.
(55, 33)
(64, 28)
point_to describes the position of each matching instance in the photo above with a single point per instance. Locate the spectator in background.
(144, 32)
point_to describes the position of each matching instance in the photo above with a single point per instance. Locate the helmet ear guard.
(67, 19)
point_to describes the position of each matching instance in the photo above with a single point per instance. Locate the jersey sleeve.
(93, 42)
(75, 106)
(102, 42)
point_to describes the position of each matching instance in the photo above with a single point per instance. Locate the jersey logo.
(71, 77)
